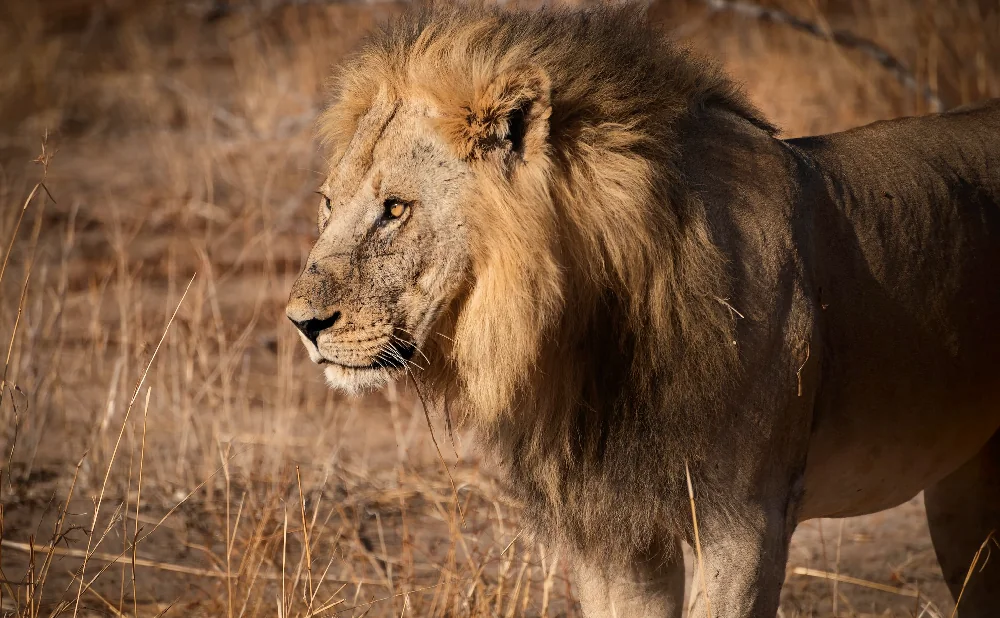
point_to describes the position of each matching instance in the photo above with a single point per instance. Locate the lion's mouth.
(393, 356)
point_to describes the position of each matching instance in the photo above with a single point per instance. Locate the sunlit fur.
(615, 273)
(594, 293)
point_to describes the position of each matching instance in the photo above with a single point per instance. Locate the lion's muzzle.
(343, 335)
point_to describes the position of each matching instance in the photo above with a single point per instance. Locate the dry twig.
(844, 38)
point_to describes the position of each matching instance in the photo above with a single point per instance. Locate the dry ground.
(227, 480)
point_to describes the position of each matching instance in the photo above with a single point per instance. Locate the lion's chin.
(355, 381)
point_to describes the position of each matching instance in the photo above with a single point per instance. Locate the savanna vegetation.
(168, 448)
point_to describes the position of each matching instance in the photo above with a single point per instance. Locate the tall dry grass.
(167, 447)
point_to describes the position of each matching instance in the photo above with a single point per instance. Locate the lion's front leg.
(744, 568)
(651, 587)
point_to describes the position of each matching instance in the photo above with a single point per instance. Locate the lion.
(592, 247)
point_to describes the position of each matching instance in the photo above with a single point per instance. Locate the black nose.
(313, 327)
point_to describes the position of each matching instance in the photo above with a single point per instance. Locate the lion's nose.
(312, 327)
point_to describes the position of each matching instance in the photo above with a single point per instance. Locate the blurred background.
(168, 449)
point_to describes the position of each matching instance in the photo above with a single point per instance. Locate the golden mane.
(592, 259)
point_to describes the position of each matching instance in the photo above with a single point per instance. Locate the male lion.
(615, 271)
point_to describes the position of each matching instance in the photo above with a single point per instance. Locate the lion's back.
(913, 159)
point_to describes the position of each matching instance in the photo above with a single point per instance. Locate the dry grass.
(227, 481)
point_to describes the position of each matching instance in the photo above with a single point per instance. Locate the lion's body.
(617, 273)
(908, 246)
(894, 229)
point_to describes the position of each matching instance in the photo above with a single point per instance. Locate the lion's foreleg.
(651, 587)
(744, 567)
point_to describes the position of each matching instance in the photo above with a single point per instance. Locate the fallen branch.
(112, 558)
(846, 579)
(126, 558)
(843, 38)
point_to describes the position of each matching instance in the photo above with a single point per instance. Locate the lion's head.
(421, 215)
(393, 247)
(501, 198)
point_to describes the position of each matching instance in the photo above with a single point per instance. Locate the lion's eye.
(326, 200)
(394, 208)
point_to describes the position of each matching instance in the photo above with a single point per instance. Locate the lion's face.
(435, 218)
(392, 251)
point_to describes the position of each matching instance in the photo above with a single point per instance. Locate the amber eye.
(326, 200)
(394, 208)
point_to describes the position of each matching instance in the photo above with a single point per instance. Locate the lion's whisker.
(435, 332)
(412, 336)
(445, 336)
(411, 343)
(308, 169)
(395, 354)
(408, 361)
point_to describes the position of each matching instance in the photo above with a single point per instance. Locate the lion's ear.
(508, 119)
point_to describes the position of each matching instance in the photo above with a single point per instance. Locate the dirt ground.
(168, 449)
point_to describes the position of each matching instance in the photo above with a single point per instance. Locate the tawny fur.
(614, 270)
